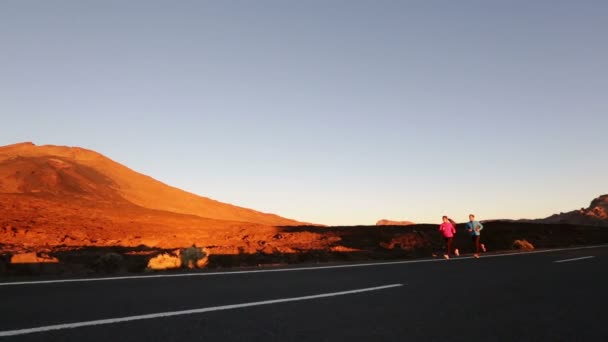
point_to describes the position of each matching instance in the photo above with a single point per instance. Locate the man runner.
(475, 227)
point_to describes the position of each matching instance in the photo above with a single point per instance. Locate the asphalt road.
(502, 298)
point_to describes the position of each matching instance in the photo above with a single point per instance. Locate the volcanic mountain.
(54, 195)
(75, 172)
(595, 215)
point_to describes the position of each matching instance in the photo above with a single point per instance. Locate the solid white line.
(186, 312)
(296, 269)
(575, 259)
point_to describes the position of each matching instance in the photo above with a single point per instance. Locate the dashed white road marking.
(574, 259)
(295, 269)
(186, 312)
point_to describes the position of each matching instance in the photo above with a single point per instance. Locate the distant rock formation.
(394, 223)
(596, 214)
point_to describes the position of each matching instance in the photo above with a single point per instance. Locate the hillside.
(72, 172)
(595, 215)
(62, 198)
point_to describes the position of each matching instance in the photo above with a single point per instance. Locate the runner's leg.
(473, 238)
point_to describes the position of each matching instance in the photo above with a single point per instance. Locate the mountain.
(55, 198)
(596, 214)
(72, 172)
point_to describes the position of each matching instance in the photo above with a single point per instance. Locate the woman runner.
(448, 229)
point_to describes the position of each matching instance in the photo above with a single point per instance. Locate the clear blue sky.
(336, 112)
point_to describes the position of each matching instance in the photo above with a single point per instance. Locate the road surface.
(552, 296)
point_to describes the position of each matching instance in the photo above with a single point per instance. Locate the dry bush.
(164, 261)
(523, 245)
(190, 257)
(32, 258)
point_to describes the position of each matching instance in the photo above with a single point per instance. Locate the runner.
(475, 227)
(448, 228)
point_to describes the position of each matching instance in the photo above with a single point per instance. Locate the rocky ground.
(292, 245)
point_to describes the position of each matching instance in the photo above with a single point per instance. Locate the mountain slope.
(76, 172)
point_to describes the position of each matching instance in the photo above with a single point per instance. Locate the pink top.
(447, 229)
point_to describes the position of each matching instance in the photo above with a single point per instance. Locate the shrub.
(523, 245)
(193, 257)
(109, 262)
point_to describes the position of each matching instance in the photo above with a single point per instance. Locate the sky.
(333, 112)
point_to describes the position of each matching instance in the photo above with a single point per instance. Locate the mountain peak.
(18, 146)
(600, 201)
(31, 149)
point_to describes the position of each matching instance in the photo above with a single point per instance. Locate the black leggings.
(476, 241)
(448, 244)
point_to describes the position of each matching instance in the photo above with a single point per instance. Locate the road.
(553, 296)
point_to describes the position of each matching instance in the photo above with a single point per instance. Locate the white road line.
(296, 269)
(575, 259)
(186, 312)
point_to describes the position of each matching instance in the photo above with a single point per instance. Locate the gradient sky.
(335, 112)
